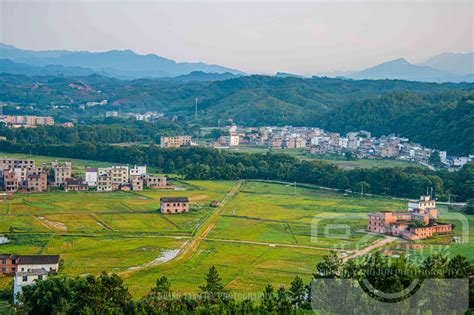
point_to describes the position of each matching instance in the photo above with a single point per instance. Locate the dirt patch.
(196, 198)
(54, 225)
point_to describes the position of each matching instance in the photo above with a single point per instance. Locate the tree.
(459, 267)
(213, 290)
(268, 299)
(297, 292)
(469, 208)
(435, 160)
(329, 267)
(348, 156)
(283, 304)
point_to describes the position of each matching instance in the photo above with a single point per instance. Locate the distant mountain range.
(126, 64)
(123, 64)
(461, 64)
(447, 67)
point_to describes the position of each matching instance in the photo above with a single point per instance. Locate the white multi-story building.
(138, 170)
(91, 176)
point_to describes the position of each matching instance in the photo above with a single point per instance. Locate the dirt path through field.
(278, 245)
(366, 250)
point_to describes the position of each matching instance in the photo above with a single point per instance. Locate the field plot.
(243, 267)
(278, 213)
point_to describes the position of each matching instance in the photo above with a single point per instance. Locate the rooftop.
(38, 259)
(174, 199)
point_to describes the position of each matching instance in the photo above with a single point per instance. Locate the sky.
(307, 37)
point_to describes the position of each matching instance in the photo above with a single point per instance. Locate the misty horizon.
(263, 38)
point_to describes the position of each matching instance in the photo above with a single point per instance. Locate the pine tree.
(297, 292)
(213, 290)
(268, 299)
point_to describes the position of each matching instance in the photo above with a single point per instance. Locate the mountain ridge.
(123, 64)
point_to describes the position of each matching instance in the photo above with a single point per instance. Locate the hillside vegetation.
(436, 115)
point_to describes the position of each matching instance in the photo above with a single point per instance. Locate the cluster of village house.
(318, 141)
(15, 121)
(27, 269)
(24, 175)
(419, 221)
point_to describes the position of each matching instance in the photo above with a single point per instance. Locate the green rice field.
(262, 233)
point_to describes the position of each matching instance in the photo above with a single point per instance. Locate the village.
(25, 176)
(316, 141)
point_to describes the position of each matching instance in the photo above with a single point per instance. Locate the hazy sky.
(262, 37)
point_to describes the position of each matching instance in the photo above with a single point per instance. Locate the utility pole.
(196, 109)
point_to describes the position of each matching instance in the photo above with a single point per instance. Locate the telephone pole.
(196, 109)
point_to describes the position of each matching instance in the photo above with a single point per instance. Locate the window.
(4, 269)
(4, 261)
(40, 277)
(25, 278)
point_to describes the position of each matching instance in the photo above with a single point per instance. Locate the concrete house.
(91, 176)
(138, 170)
(61, 172)
(49, 263)
(175, 142)
(104, 182)
(8, 264)
(170, 205)
(419, 222)
(74, 184)
(154, 181)
(26, 278)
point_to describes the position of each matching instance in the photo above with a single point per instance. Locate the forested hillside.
(436, 115)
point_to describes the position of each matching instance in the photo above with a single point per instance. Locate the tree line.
(109, 130)
(335, 288)
(207, 163)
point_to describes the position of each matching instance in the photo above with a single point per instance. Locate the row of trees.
(106, 294)
(204, 163)
(109, 130)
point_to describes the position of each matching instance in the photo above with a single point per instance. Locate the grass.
(243, 267)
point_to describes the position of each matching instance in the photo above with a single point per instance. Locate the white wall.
(47, 267)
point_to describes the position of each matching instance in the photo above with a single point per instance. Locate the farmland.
(335, 159)
(263, 232)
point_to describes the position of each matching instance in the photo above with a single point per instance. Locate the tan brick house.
(170, 205)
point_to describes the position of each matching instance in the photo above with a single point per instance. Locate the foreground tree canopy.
(105, 294)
